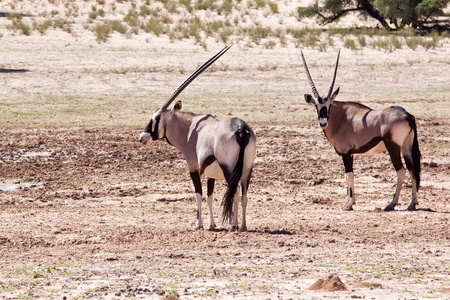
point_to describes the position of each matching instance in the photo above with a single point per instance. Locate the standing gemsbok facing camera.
(353, 128)
(216, 149)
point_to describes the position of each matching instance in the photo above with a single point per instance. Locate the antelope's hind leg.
(394, 152)
(412, 205)
(244, 201)
(234, 221)
(210, 199)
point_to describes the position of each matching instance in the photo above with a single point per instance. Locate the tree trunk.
(374, 13)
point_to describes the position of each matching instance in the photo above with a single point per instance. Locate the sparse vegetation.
(203, 19)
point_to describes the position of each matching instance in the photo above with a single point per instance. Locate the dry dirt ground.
(87, 212)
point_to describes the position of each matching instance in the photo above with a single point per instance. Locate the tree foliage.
(391, 14)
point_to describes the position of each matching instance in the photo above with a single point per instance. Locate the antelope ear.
(308, 98)
(336, 92)
(177, 106)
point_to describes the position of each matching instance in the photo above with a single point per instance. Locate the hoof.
(212, 226)
(233, 228)
(412, 207)
(389, 208)
(243, 229)
(347, 208)
(198, 228)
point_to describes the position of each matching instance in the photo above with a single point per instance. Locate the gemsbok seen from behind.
(212, 148)
(353, 128)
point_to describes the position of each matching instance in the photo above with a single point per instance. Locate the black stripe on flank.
(206, 162)
(365, 148)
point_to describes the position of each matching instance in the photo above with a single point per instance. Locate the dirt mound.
(331, 284)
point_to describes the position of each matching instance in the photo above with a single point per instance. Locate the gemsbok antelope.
(353, 128)
(216, 149)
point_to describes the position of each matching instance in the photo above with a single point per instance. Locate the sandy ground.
(87, 212)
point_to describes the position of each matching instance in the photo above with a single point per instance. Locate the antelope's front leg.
(210, 199)
(198, 195)
(349, 179)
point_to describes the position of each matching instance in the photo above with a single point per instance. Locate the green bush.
(413, 42)
(350, 44)
(102, 31)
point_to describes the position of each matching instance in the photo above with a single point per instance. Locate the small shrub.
(93, 15)
(274, 7)
(42, 26)
(171, 6)
(269, 44)
(350, 44)
(205, 5)
(187, 5)
(413, 42)
(256, 33)
(18, 25)
(311, 39)
(101, 12)
(132, 18)
(297, 33)
(260, 3)
(225, 33)
(102, 31)
(145, 11)
(118, 26)
(226, 7)
(153, 25)
(428, 44)
(323, 46)
(362, 41)
(395, 42)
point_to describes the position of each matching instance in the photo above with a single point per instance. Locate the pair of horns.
(316, 94)
(220, 53)
(193, 76)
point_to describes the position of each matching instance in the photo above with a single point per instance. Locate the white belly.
(214, 171)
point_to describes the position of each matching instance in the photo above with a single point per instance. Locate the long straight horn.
(334, 75)
(316, 94)
(193, 76)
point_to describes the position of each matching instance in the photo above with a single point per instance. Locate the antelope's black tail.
(242, 133)
(416, 156)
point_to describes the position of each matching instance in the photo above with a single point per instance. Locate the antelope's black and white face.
(322, 107)
(154, 130)
(156, 127)
(322, 104)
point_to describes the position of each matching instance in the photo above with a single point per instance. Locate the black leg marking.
(394, 152)
(210, 188)
(197, 182)
(226, 172)
(348, 162)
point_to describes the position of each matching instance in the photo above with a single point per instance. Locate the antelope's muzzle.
(144, 138)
